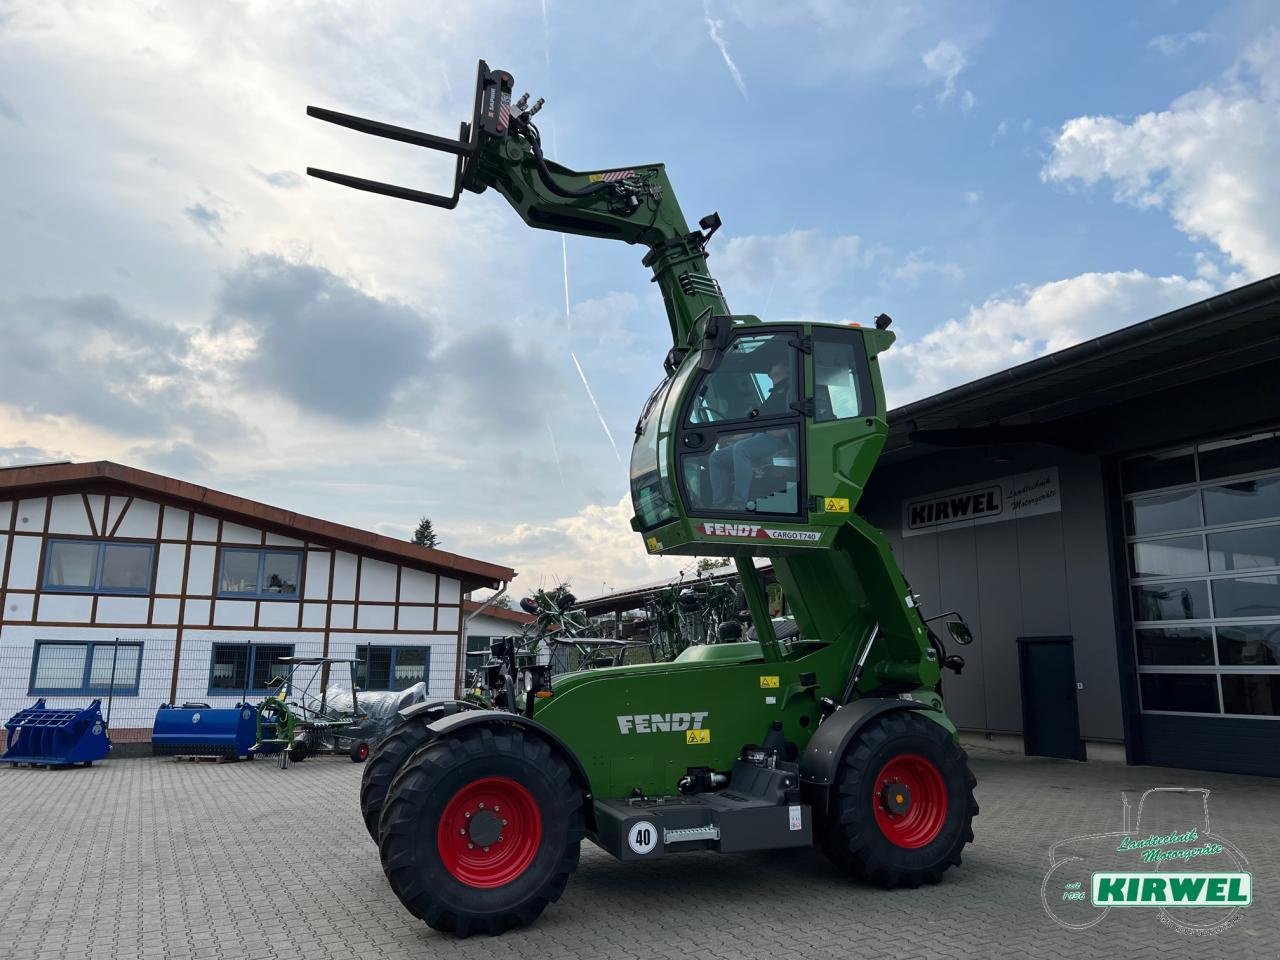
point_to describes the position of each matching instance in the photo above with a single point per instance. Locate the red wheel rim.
(362, 751)
(489, 832)
(910, 801)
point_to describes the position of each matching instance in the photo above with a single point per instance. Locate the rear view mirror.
(960, 632)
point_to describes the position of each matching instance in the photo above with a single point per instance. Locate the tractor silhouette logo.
(1170, 834)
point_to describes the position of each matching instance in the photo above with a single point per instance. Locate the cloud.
(282, 179)
(590, 548)
(9, 111)
(174, 457)
(206, 218)
(1172, 44)
(713, 29)
(802, 264)
(21, 454)
(1007, 330)
(1210, 160)
(489, 382)
(915, 267)
(945, 62)
(318, 340)
(91, 359)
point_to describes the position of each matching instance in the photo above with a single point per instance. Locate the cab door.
(741, 442)
(846, 431)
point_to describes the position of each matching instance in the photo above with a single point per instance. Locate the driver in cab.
(732, 464)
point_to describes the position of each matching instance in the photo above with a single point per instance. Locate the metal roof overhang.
(1231, 331)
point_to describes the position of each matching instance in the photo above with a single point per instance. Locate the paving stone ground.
(160, 859)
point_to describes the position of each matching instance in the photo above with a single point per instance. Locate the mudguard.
(821, 758)
(479, 718)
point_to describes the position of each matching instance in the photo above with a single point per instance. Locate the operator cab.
(763, 425)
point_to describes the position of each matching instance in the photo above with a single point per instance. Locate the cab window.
(841, 378)
(757, 378)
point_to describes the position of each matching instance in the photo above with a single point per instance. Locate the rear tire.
(481, 830)
(902, 803)
(385, 761)
(359, 752)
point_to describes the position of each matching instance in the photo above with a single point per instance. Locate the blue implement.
(197, 730)
(40, 736)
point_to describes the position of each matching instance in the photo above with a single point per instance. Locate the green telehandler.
(757, 443)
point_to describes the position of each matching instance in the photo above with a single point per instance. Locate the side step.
(724, 821)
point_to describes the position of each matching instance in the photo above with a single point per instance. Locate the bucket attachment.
(40, 736)
(195, 730)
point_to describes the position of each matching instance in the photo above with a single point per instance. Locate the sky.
(1003, 179)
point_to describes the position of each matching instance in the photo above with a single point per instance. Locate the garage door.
(1202, 527)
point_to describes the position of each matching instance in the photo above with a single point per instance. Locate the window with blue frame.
(239, 668)
(98, 566)
(391, 668)
(260, 574)
(62, 668)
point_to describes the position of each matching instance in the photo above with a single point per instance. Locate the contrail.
(607, 433)
(713, 28)
(546, 32)
(564, 257)
(555, 451)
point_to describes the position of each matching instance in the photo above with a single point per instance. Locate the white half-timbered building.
(140, 589)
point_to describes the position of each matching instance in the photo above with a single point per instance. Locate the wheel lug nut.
(496, 808)
(504, 823)
(471, 846)
(482, 806)
(463, 831)
(486, 849)
(468, 814)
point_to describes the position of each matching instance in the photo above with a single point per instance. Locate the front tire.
(902, 803)
(481, 830)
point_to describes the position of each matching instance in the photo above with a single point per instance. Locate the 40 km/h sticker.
(697, 736)
(642, 837)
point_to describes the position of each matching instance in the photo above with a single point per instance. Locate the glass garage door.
(1202, 528)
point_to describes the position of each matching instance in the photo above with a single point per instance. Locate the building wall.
(1044, 575)
(345, 599)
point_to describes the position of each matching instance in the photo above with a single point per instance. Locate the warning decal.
(697, 736)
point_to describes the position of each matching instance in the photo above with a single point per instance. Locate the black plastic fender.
(479, 718)
(821, 758)
(424, 706)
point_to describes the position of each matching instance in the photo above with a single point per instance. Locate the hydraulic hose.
(535, 141)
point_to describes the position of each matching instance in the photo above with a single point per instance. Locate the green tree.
(707, 564)
(425, 536)
(503, 602)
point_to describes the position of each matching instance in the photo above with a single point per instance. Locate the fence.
(134, 675)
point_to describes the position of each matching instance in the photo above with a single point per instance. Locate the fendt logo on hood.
(661, 722)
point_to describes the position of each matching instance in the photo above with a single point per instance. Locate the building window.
(240, 668)
(66, 669)
(1203, 531)
(260, 574)
(477, 652)
(98, 566)
(391, 668)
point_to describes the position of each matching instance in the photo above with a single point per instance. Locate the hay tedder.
(757, 443)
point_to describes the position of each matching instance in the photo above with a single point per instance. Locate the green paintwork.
(839, 584)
